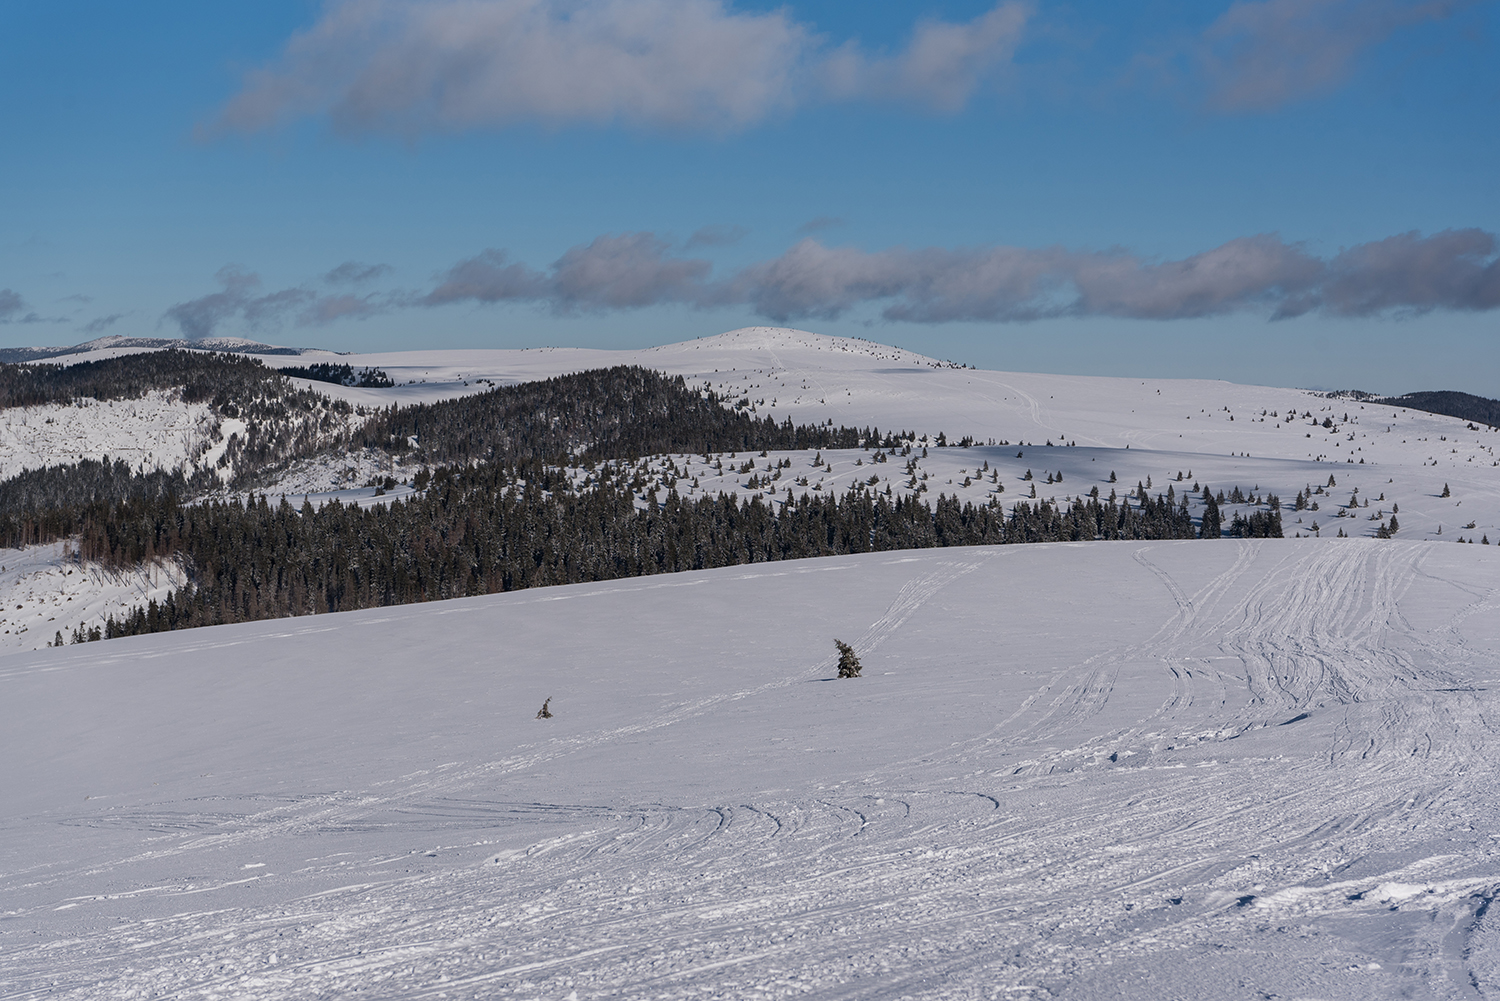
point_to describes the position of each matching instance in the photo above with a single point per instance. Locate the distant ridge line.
(1446, 402)
(231, 345)
(1450, 403)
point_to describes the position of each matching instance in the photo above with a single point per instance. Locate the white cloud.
(941, 67)
(612, 272)
(1401, 275)
(1261, 55)
(408, 68)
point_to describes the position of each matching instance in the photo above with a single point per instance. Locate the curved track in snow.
(1209, 770)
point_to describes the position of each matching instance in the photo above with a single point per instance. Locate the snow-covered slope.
(812, 378)
(986, 474)
(1262, 439)
(1146, 770)
(157, 431)
(1206, 770)
(46, 591)
(115, 345)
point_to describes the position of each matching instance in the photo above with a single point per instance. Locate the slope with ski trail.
(1160, 769)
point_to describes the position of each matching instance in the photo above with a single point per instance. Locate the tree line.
(494, 527)
(340, 375)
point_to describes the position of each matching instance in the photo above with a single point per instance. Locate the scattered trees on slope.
(615, 413)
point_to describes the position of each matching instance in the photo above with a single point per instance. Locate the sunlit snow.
(1196, 769)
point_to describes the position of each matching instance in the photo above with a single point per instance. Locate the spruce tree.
(849, 666)
(1212, 522)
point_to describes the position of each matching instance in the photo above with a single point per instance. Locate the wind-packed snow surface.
(1146, 770)
(1205, 769)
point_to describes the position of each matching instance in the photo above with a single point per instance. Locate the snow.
(156, 431)
(46, 589)
(1417, 491)
(1151, 770)
(341, 475)
(813, 378)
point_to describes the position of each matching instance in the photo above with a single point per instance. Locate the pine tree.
(1212, 522)
(545, 712)
(1446, 492)
(849, 666)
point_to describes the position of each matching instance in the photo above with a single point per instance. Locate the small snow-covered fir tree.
(848, 663)
(545, 712)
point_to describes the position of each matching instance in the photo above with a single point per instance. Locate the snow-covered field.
(342, 475)
(1144, 770)
(812, 378)
(1170, 770)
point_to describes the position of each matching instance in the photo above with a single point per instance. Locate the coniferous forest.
(497, 527)
(522, 486)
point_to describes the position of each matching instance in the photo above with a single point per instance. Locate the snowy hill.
(115, 344)
(156, 431)
(1120, 433)
(1080, 771)
(812, 378)
(1217, 433)
(1206, 769)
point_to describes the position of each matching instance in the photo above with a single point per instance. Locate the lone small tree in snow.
(848, 662)
(544, 712)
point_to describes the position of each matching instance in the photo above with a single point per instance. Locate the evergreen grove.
(485, 529)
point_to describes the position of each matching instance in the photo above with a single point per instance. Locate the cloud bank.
(416, 67)
(13, 309)
(410, 67)
(241, 298)
(1406, 274)
(1400, 276)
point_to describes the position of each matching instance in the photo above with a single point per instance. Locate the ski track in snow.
(1264, 774)
(1148, 770)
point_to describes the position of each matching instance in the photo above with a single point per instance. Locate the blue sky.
(1297, 192)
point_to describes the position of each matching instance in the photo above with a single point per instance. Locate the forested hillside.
(521, 486)
(340, 375)
(613, 413)
(273, 421)
(223, 379)
(1451, 404)
(499, 527)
